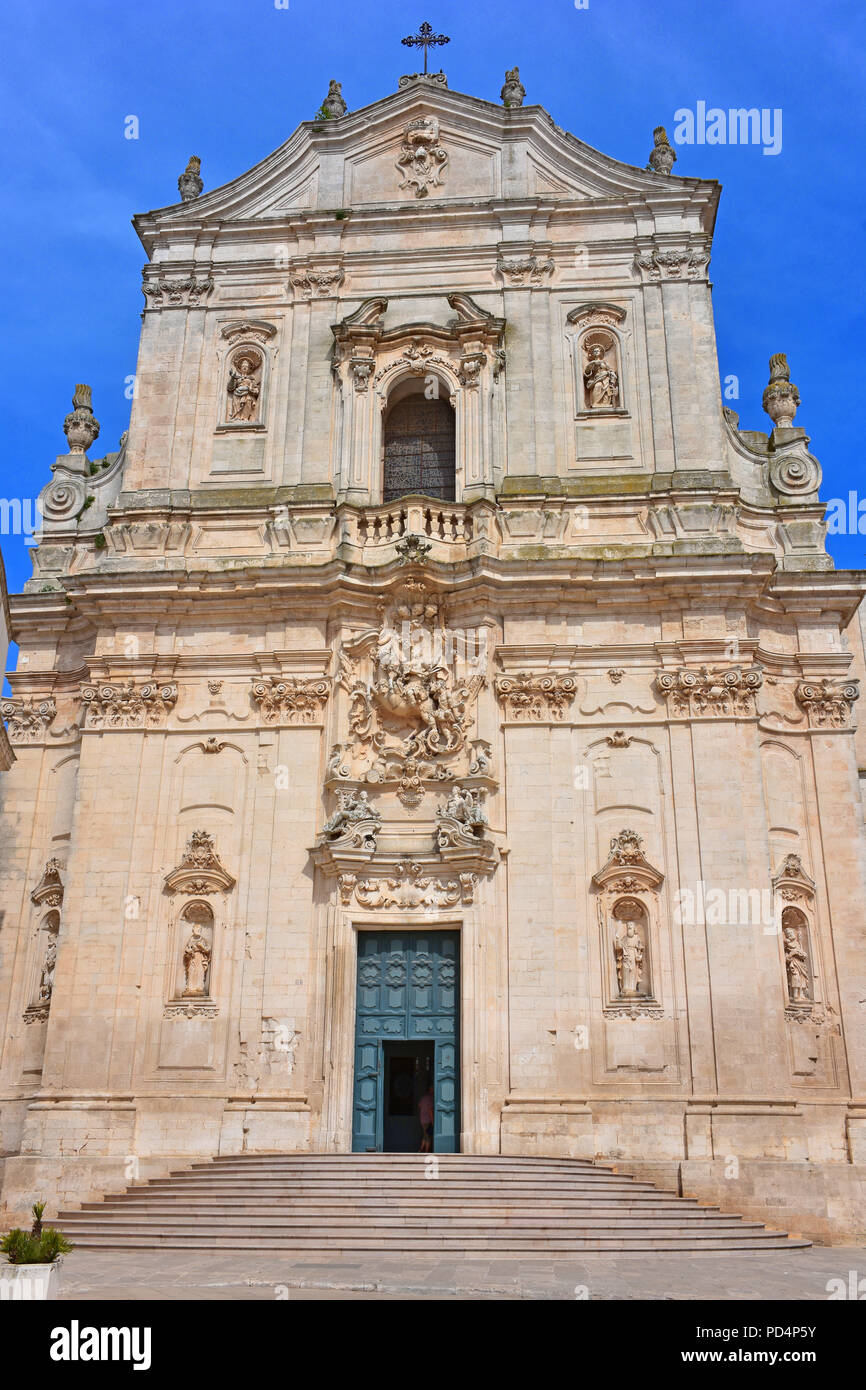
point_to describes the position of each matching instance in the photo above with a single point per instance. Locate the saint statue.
(796, 966)
(628, 950)
(196, 961)
(243, 390)
(46, 979)
(600, 381)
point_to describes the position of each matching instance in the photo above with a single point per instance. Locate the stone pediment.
(371, 157)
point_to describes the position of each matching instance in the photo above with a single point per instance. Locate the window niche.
(627, 890)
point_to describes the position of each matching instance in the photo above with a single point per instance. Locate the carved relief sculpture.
(422, 159)
(196, 963)
(461, 820)
(292, 701)
(628, 905)
(796, 965)
(629, 950)
(356, 821)
(828, 703)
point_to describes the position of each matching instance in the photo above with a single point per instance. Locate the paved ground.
(144, 1274)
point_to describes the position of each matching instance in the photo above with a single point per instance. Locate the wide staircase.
(397, 1203)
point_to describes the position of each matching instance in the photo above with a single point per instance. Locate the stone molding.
(200, 871)
(186, 292)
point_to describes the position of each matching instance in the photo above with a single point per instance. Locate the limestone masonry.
(436, 685)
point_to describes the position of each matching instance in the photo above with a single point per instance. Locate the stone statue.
(663, 156)
(513, 91)
(796, 966)
(244, 388)
(465, 807)
(46, 979)
(196, 960)
(190, 182)
(601, 383)
(353, 807)
(628, 950)
(333, 106)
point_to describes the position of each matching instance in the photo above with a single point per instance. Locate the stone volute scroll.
(627, 892)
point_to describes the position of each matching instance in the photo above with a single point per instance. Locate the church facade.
(437, 688)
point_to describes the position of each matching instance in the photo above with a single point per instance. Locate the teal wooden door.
(408, 988)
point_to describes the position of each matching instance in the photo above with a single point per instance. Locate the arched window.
(419, 452)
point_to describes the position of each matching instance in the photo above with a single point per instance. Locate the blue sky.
(230, 82)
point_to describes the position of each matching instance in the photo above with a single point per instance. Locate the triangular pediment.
(479, 150)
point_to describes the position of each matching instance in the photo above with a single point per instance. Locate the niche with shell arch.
(244, 378)
(598, 358)
(47, 899)
(627, 890)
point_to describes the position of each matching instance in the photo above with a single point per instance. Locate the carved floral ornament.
(27, 717)
(128, 706)
(537, 697)
(411, 886)
(49, 890)
(317, 282)
(710, 690)
(521, 272)
(200, 871)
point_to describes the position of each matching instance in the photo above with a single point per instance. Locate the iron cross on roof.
(425, 38)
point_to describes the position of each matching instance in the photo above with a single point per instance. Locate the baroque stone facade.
(433, 590)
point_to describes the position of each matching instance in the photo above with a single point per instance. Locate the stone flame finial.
(80, 427)
(513, 92)
(663, 156)
(190, 183)
(781, 397)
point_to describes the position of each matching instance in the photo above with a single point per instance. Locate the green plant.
(99, 542)
(23, 1249)
(36, 1229)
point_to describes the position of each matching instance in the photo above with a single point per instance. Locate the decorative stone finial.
(781, 397)
(513, 92)
(190, 183)
(333, 106)
(663, 155)
(79, 426)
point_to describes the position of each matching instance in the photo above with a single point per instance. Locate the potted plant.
(33, 1270)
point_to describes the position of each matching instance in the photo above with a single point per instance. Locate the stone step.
(386, 1203)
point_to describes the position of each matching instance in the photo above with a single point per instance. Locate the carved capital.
(27, 718)
(317, 282)
(710, 690)
(292, 701)
(531, 696)
(185, 292)
(828, 703)
(127, 706)
(522, 271)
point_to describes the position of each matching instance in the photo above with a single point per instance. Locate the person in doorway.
(425, 1115)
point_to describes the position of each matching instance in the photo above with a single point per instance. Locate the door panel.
(408, 988)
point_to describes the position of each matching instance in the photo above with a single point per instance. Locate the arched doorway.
(419, 449)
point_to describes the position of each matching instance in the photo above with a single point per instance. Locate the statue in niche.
(196, 963)
(796, 965)
(46, 979)
(601, 383)
(244, 387)
(628, 948)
